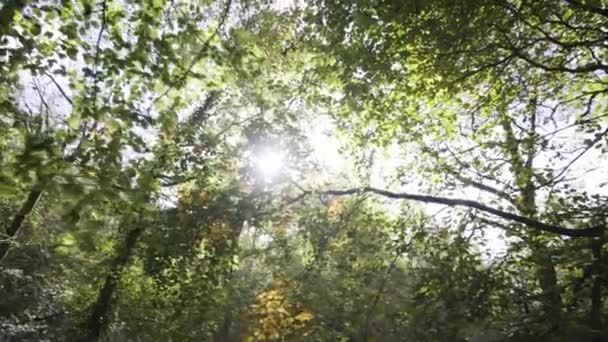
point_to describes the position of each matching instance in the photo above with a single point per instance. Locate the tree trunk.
(596, 291)
(551, 294)
(522, 157)
(551, 297)
(223, 333)
(14, 228)
(99, 319)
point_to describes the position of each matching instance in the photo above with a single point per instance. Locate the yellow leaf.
(280, 231)
(304, 316)
(203, 197)
(336, 208)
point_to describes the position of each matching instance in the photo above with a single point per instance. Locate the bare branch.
(63, 93)
(575, 124)
(597, 139)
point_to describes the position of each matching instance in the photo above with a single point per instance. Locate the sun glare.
(269, 163)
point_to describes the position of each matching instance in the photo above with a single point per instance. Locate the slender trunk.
(223, 334)
(101, 309)
(596, 291)
(16, 224)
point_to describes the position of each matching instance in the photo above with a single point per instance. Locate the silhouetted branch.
(529, 222)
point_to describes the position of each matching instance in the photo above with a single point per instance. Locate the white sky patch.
(326, 146)
(286, 5)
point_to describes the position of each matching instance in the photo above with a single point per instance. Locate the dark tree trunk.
(551, 295)
(223, 334)
(16, 224)
(596, 291)
(101, 309)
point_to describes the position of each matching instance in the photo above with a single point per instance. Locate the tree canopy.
(323, 170)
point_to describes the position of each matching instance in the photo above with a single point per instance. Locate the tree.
(483, 89)
(137, 201)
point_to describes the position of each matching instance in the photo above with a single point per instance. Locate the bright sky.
(335, 166)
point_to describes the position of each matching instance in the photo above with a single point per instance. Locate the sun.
(269, 163)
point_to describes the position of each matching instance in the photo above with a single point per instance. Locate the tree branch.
(63, 93)
(529, 222)
(587, 68)
(483, 187)
(597, 139)
(15, 226)
(587, 7)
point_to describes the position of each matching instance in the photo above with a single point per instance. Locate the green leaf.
(74, 122)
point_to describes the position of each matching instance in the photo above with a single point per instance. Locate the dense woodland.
(322, 170)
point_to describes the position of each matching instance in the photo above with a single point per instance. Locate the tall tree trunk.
(596, 291)
(522, 157)
(16, 224)
(551, 294)
(99, 318)
(546, 273)
(223, 333)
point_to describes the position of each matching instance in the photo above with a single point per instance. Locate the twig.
(63, 93)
